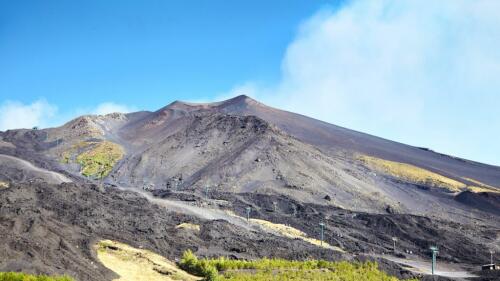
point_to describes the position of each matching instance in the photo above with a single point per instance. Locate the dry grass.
(100, 159)
(293, 233)
(478, 189)
(477, 182)
(4, 185)
(481, 187)
(412, 173)
(133, 264)
(188, 226)
(287, 231)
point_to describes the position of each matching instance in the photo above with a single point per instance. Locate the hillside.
(187, 175)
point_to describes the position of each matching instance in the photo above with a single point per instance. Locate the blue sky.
(141, 53)
(423, 73)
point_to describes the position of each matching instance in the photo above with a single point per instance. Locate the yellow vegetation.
(189, 226)
(293, 233)
(412, 173)
(66, 155)
(478, 189)
(100, 159)
(481, 187)
(4, 185)
(136, 264)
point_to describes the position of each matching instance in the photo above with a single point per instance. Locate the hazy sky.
(424, 73)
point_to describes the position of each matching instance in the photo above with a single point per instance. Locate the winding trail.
(186, 208)
(24, 165)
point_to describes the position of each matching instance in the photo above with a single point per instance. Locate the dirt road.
(424, 267)
(31, 171)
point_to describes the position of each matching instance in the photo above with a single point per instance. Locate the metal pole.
(433, 262)
(394, 239)
(322, 226)
(434, 251)
(249, 209)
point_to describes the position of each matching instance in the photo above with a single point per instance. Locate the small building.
(490, 266)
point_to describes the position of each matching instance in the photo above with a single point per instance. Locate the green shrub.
(279, 269)
(190, 263)
(19, 276)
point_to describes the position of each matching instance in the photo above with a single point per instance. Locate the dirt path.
(203, 213)
(421, 266)
(216, 214)
(49, 176)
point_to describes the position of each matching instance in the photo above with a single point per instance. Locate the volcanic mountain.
(289, 168)
(241, 145)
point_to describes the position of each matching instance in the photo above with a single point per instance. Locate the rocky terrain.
(136, 177)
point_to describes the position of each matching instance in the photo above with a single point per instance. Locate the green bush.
(279, 269)
(203, 268)
(19, 276)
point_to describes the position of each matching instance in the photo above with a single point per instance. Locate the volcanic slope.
(230, 155)
(224, 146)
(51, 229)
(241, 145)
(333, 137)
(241, 154)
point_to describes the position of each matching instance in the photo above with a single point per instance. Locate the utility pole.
(249, 209)
(394, 239)
(322, 229)
(434, 250)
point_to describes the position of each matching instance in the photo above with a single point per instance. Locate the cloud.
(40, 113)
(14, 115)
(111, 107)
(420, 72)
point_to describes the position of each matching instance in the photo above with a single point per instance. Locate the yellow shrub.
(411, 173)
